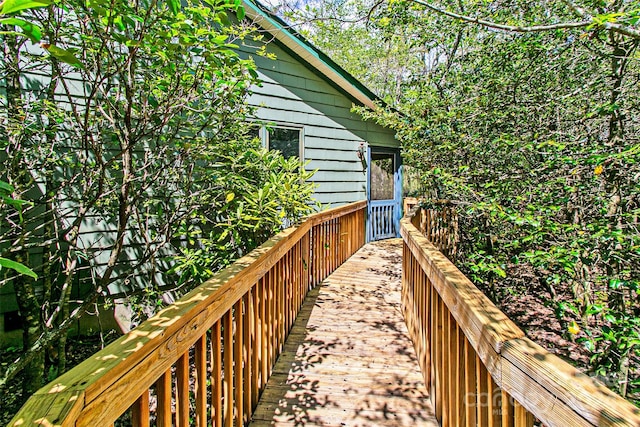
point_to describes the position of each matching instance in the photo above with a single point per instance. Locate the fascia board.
(306, 53)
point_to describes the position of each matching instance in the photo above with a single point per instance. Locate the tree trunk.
(29, 307)
(26, 296)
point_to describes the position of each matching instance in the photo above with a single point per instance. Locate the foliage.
(343, 31)
(126, 130)
(532, 130)
(263, 192)
(6, 199)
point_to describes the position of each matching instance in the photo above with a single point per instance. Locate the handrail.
(481, 369)
(210, 354)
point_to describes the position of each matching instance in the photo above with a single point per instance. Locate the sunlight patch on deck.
(349, 360)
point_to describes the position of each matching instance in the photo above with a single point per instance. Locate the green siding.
(292, 93)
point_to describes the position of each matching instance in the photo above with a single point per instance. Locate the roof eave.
(336, 75)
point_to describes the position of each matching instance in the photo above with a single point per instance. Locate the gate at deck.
(384, 194)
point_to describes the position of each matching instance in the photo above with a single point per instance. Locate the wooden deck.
(349, 360)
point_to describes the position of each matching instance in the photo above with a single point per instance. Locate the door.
(384, 194)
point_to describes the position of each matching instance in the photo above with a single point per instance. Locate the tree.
(126, 130)
(524, 113)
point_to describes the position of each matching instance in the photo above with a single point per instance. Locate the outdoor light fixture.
(362, 155)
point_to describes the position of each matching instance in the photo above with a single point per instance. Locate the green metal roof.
(304, 50)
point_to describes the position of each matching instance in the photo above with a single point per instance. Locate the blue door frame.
(383, 216)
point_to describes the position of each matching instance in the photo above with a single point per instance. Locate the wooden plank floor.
(349, 360)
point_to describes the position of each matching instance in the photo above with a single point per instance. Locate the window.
(382, 170)
(12, 321)
(287, 140)
(255, 131)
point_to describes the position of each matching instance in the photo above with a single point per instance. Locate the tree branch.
(588, 21)
(577, 10)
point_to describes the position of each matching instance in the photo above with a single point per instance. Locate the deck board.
(349, 360)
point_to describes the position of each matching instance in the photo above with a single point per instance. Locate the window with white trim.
(287, 140)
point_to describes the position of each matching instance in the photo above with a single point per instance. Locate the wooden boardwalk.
(349, 360)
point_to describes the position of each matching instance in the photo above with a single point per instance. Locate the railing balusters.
(246, 355)
(507, 410)
(522, 417)
(470, 384)
(228, 331)
(319, 249)
(182, 391)
(280, 300)
(482, 391)
(325, 250)
(237, 364)
(428, 373)
(331, 249)
(493, 404)
(445, 359)
(314, 248)
(460, 377)
(201, 381)
(163, 390)
(478, 366)
(286, 295)
(332, 245)
(140, 411)
(264, 333)
(256, 343)
(216, 374)
(298, 258)
(438, 348)
(328, 264)
(454, 393)
(267, 333)
(436, 354)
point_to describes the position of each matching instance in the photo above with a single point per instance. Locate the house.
(306, 100)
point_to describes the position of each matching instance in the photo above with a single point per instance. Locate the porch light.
(362, 155)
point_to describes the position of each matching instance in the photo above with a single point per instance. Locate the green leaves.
(174, 6)
(535, 135)
(8, 7)
(19, 268)
(256, 190)
(31, 30)
(6, 188)
(64, 55)
(240, 13)
(5, 196)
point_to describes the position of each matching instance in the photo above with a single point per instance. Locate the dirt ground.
(78, 349)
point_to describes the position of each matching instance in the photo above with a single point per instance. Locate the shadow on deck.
(314, 323)
(349, 360)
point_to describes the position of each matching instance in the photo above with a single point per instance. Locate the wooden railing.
(439, 224)
(481, 369)
(205, 359)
